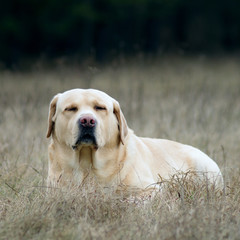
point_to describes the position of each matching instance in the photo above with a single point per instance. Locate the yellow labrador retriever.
(90, 136)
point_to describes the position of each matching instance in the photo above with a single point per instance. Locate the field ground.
(191, 100)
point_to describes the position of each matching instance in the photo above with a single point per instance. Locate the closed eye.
(71, 109)
(100, 108)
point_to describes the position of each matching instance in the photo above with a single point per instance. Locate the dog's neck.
(105, 163)
(108, 162)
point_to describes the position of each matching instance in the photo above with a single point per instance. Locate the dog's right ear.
(122, 123)
(51, 115)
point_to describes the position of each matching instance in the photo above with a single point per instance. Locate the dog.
(90, 136)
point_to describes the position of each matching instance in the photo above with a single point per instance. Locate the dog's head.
(86, 118)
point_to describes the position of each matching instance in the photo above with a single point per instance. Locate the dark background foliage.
(106, 28)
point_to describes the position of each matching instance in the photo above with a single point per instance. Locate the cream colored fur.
(120, 158)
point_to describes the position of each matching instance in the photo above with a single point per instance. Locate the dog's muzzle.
(87, 127)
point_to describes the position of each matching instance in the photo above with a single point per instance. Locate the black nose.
(87, 121)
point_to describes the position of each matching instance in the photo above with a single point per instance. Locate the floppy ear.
(122, 124)
(51, 114)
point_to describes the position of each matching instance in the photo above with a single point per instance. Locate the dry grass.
(191, 100)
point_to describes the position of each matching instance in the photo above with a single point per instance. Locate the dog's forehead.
(85, 96)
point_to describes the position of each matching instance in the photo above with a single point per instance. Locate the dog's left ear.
(51, 115)
(122, 123)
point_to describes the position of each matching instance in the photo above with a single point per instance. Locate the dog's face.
(86, 118)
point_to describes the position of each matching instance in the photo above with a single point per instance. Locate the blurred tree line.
(103, 28)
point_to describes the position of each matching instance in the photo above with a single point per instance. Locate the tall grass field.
(192, 100)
